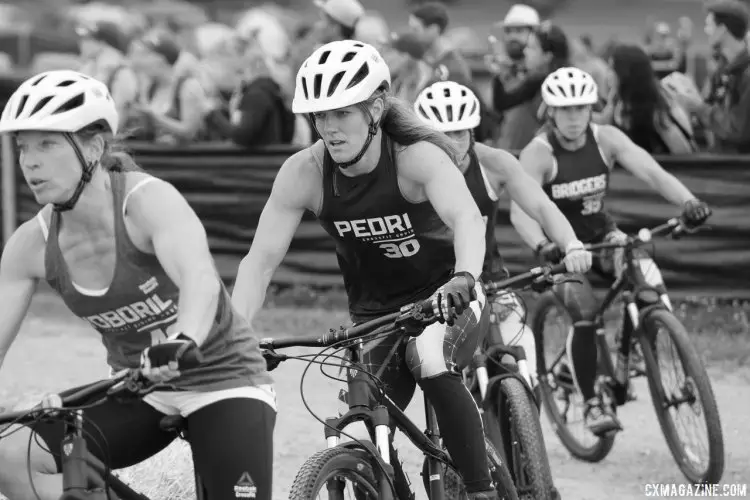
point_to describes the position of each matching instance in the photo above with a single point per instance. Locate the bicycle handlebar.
(673, 227)
(422, 313)
(126, 384)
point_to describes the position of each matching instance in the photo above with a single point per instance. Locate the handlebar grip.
(558, 268)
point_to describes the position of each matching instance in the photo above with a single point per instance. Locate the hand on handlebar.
(163, 362)
(576, 258)
(695, 212)
(454, 297)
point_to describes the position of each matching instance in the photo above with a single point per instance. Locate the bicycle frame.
(378, 419)
(85, 476)
(637, 296)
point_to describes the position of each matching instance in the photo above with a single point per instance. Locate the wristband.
(466, 274)
(574, 245)
(541, 245)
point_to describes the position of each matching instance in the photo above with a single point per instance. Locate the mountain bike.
(84, 476)
(647, 322)
(372, 467)
(510, 410)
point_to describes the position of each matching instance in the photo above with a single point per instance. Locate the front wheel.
(522, 440)
(690, 392)
(337, 474)
(560, 396)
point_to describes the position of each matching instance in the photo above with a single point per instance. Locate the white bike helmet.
(59, 101)
(569, 87)
(448, 107)
(62, 101)
(339, 74)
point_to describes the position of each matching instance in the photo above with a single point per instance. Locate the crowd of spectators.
(223, 83)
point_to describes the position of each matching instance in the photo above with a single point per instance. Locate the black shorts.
(230, 439)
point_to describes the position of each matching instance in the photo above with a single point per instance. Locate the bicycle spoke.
(682, 403)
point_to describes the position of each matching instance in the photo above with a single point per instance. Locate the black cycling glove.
(549, 252)
(695, 212)
(179, 349)
(454, 297)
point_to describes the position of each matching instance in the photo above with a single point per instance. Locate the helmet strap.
(86, 175)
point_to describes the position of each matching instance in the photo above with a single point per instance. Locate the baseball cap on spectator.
(345, 12)
(731, 13)
(521, 16)
(164, 45)
(432, 13)
(106, 32)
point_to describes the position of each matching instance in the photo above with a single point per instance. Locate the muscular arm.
(179, 242)
(293, 192)
(536, 160)
(639, 163)
(428, 166)
(527, 194)
(17, 281)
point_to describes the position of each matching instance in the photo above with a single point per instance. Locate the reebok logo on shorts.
(245, 487)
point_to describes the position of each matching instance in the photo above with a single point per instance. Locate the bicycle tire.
(335, 462)
(525, 451)
(694, 369)
(501, 476)
(602, 444)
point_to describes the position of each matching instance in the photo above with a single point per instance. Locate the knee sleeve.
(582, 352)
(441, 348)
(460, 427)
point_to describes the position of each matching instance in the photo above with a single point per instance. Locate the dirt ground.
(55, 351)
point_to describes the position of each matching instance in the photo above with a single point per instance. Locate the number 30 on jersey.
(398, 250)
(406, 248)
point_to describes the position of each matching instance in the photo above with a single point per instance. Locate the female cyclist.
(572, 160)
(126, 252)
(453, 108)
(385, 187)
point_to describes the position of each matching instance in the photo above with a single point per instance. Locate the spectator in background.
(584, 57)
(174, 102)
(546, 51)
(726, 113)
(508, 62)
(429, 22)
(665, 53)
(259, 115)
(642, 109)
(372, 29)
(409, 73)
(338, 20)
(103, 49)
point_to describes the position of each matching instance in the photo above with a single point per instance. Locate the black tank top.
(391, 252)
(140, 306)
(580, 186)
(477, 184)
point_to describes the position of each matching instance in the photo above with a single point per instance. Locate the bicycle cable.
(337, 348)
(58, 414)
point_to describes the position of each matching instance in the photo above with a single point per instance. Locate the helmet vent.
(72, 103)
(335, 82)
(359, 76)
(348, 56)
(42, 103)
(22, 105)
(66, 83)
